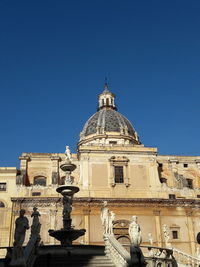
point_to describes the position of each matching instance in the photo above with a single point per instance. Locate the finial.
(106, 85)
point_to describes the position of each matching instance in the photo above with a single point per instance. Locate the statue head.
(134, 219)
(21, 213)
(34, 209)
(105, 203)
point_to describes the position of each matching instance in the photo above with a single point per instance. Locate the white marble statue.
(135, 232)
(67, 153)
(111, 219)
(150, 239)
(166, 236)
(105, 217)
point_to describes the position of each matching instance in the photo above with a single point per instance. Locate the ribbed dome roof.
(110, 120)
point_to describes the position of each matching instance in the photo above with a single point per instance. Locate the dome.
(110, 121)
(107, 125)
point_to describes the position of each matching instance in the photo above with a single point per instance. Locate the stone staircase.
(85, 256)
(74, 261)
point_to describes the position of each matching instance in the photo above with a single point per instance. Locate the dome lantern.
(106, 99)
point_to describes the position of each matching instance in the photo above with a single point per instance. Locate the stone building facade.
(113, 165)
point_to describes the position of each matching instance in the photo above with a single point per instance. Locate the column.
(189, 215)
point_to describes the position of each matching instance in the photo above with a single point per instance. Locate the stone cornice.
(132, 202)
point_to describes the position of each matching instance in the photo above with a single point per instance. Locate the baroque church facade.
(112, 165)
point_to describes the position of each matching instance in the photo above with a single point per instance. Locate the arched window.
(40, 180)
(2, 205)
(107, 102)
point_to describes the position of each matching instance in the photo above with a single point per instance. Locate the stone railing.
(115, 251)
(184, 258)
(158, 256)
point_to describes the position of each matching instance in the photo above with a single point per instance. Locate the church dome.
(107, 126)
(110, 120)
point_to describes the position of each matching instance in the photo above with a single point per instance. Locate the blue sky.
(54, 56)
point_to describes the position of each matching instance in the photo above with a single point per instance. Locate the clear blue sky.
(54, 56)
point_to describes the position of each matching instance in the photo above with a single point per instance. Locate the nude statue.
(110, 222)
(135, 232)
(67, 153)
(35, 216)
(21, 225)
(105, 217)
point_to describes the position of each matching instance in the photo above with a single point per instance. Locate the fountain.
(67, 234)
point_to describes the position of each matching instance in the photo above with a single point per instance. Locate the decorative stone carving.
(135, 232)
(55, 177)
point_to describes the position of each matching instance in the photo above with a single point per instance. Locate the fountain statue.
(67, 234)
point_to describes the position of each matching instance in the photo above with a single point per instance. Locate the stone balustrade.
(184, 258)
(115, 251)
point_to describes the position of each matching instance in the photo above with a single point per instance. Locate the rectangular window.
(175, 234)
(198, 196)
(185, 165)
(36, 193)
(119, 174)
(190, 183)
(172, 196)
(2, 186)
(160, 165)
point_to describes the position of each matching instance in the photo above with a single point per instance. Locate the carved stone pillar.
(190, 225)
(158, 227)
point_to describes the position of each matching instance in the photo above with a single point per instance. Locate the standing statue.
(111, 219)
(137, 257)
(21, 225)
(105, 217)
(150, 239)
(135, 232)
(35, 216)
(166, 236)
(67, 153)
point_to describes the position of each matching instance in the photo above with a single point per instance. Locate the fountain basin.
(67, 166)
(66, 236)
(67, 189)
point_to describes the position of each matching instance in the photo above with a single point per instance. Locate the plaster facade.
(159, 189)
